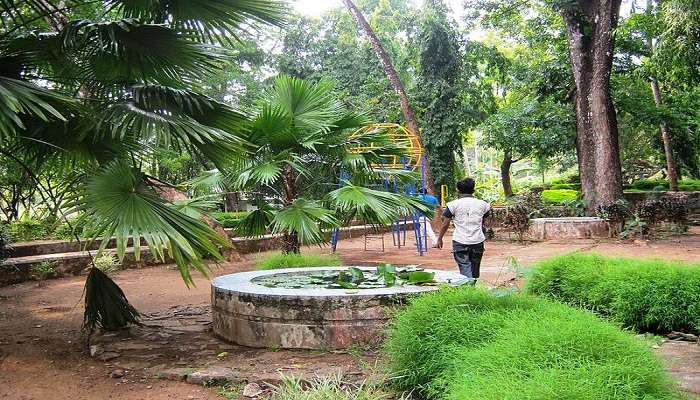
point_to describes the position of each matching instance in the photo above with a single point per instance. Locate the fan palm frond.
(257, 221)
(19, 98)
(117, 203)
(206, 20)
(305, 218)
(373, 206)
(106, 305)
(195, 207)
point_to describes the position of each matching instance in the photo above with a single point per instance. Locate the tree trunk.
(590, 26)
(505, 174)
(393, 77)
(290, 240)
(231, 201)
(671, 171)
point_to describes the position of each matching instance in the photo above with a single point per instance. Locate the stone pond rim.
(253, 315)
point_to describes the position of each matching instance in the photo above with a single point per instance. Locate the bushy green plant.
(649, 184)
(296, 260)
(567, 186)
(230, 219)
(5, 248)
(466, 343)
(644, 294)
(107, 263)
(559, 196)
(26, 230)
(332, 388)
(44, 270)
(689, 185)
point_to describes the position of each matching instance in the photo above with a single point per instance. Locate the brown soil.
(42, 355)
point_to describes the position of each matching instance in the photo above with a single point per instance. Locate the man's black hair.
(466, 186)
(424, 191)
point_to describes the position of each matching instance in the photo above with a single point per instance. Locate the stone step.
(19, 269)
(39, 247)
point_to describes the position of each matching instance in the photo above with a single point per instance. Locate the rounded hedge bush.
(643, 294)
(466, 343)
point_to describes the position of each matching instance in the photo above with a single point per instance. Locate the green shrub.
(467, 343)
(107, 263)
(559, 196)
(230, 219)
(332, 388)
(567, 186)
(644, 294)
(281, 260)
(44, 270)
(5, 240)
(26, 230)
(649, 184)
(689, 185)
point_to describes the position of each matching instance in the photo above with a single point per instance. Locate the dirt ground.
(42, 355)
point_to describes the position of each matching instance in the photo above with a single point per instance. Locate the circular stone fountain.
(250, 314)
(569, 228)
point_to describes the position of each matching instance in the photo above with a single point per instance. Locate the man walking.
(467, 213)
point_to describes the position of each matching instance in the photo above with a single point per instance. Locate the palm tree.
(95, 88)
(302, 140)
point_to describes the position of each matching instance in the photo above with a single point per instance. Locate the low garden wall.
(68, 258)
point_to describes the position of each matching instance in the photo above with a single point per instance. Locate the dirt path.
(42, 356)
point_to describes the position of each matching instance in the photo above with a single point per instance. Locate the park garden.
(232, 199)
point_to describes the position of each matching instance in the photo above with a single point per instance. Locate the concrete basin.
(253, 315)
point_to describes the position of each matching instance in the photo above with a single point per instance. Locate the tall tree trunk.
(505, 174)
(290, 240)
(590, 26)
(393, 77)
(671, 170)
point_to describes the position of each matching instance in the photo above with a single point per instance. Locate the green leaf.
(118, 203)
(305, 218)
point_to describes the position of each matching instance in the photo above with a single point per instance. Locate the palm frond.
(373, 206)
(312, 106)
(257, 222)
(207, 182)
(195, 207)
(205, 20)
(106, 305)
(305, 218)
(20, 99)
(128, 50)
(119, 204)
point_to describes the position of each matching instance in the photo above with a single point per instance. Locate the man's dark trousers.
(468, 258)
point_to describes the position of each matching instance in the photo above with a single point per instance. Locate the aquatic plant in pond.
(385, 275)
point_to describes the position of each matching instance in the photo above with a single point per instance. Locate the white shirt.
(467, 215)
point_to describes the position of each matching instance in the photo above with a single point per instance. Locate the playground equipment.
(413, 160)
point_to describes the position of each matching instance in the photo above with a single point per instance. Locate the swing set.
(413, 160)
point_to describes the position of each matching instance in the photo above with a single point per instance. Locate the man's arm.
(446, 218)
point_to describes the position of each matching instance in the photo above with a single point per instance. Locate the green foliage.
(117, 203)
(439, 72)
(567, 186)
(230, 219)
(44, 269)
(107, 263)
(333, 388)
(559, 196)
(26, 230)
(659, 185)
(644, 294)
(296, 260)
(5, 242)
(466, 343)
